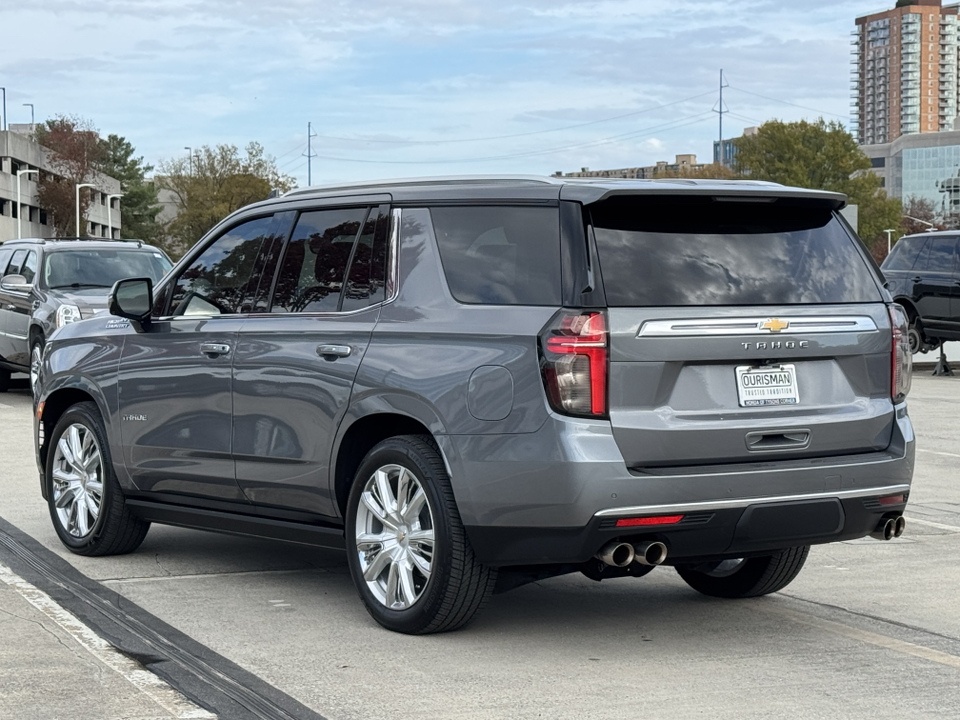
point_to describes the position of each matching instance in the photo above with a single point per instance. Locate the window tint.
(500, 255)
(940, 255)
(315, 261)
(365, 285)
(904, 254)
(29, 269)
(697, 251)
(217, 281)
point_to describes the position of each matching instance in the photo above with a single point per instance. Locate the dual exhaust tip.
(890, 528)
(620, 554)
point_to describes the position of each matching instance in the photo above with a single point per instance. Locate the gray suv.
(45, 284)
(472, 383)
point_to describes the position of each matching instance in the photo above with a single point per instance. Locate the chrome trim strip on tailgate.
(706, 327)
(746, 502)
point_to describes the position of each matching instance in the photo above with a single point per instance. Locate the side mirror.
(16, 283)
(133, 299)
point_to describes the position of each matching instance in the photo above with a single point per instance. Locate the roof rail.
(421, 181)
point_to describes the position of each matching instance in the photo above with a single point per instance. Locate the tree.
(139, 202)
(74, 157)
(824, 156)
(212, 184)
(917, 212)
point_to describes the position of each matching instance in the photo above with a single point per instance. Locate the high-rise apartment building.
(905, 76)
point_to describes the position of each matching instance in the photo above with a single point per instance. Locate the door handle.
(215, 349)
(332, 352)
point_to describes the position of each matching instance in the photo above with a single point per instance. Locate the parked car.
(471, 383)
(45, 284)
(923, 275)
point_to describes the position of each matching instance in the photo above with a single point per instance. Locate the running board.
(237, 524)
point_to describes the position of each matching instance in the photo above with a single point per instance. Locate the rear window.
(661, 251)
(495, 255)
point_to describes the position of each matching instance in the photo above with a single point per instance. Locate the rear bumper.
(554, 496)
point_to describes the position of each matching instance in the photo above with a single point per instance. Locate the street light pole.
(4, 107)
(110, 214)
(189, 155)
(929, 225)
(30, 105)
(888, 231)
(19, 211)
(81, 185)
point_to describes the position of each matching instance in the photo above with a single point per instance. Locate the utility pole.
(309, 154)
(4, 108)
(719, 109)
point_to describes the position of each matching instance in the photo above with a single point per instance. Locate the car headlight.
(67, 314)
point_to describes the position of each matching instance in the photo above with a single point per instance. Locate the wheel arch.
(57, 403)
(909, 306)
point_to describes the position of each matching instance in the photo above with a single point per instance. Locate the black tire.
(458, 585)
(4, 380)
(35, 347)
(751, 577)
(114, 530)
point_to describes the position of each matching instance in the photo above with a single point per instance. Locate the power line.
(516, 135)
(804, 107)
(674, 124)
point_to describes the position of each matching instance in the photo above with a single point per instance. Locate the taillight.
(575, 363)
(900, 358)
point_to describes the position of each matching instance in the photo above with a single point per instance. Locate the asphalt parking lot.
(868, 630)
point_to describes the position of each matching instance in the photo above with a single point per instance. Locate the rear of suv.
(47, 283)
(471, 383)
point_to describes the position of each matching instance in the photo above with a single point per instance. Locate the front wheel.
(86, 503)
(745, 577)
(36, 358)
(408, 552)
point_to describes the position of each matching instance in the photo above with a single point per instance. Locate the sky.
(411, 88)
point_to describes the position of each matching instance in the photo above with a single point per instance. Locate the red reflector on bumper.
(646, 521)
(891, 500)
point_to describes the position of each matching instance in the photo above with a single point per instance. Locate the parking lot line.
(146, 682)
(930, 523)
(938, 452)
(873, 638)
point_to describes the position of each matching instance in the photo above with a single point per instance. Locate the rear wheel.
(4, 380)
(407, 549)
(745, 577)
(86, 503)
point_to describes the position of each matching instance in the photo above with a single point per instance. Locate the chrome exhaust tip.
(886, 530)
(616, 554)
(900, 524)
(650, 553)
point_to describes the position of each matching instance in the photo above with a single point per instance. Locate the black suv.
(923, 275)
(475, 382)
(45, 284)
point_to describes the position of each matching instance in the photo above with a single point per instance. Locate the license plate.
(767, 385)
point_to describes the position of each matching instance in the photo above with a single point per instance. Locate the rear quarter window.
(500, 255)
(669, 251)
(904, 254)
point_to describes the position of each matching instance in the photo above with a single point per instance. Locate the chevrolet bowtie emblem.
(774, 325)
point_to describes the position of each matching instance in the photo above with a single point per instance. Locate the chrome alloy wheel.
(395, 537)
(77, 480)
(36, 357)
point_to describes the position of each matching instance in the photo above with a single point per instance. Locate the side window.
(942, 254)
(14, 267)
(368, 269)
(903, 255)
(315, 261)
(218, 281)
(500, 255)
(29, 269)
(4, 260)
